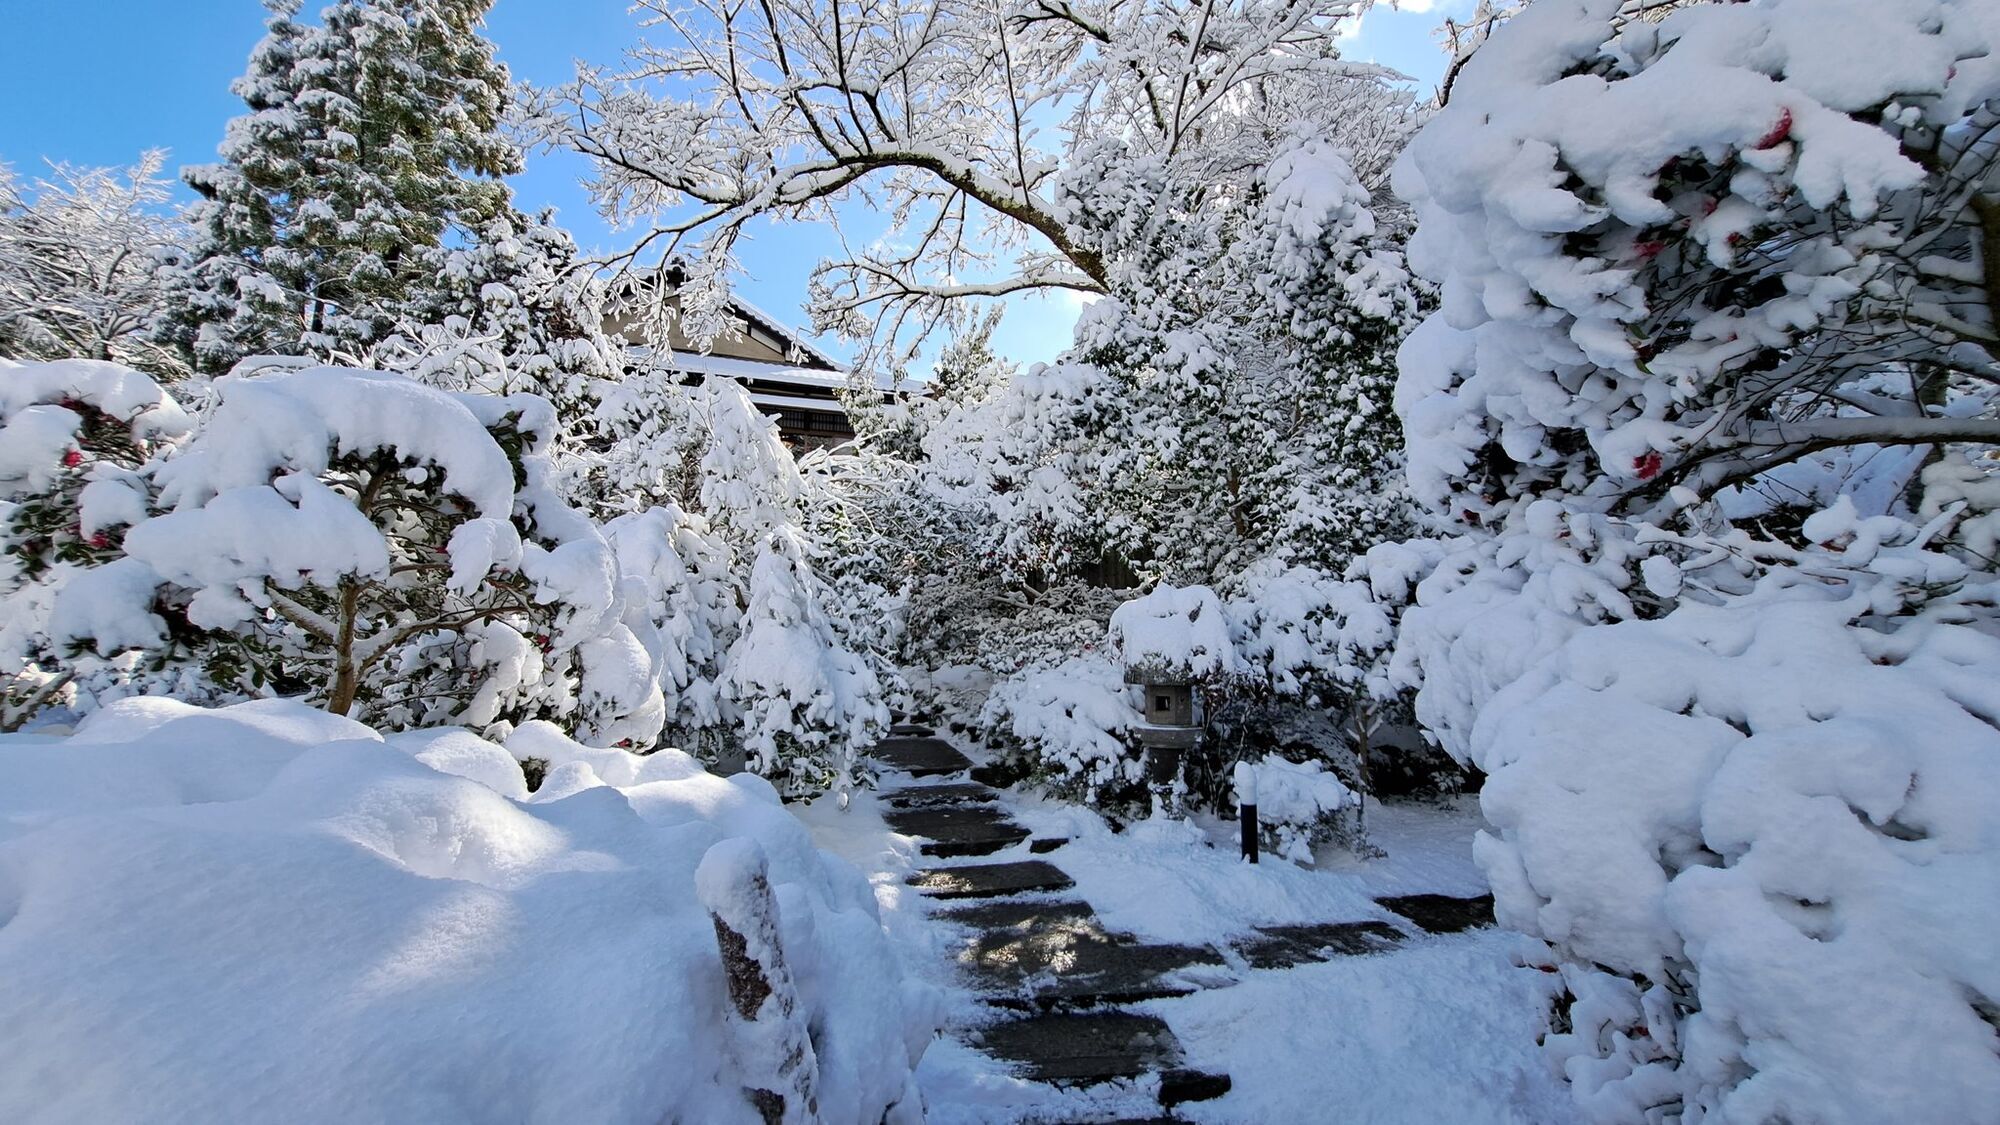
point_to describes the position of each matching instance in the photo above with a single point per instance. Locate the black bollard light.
(1246, 804)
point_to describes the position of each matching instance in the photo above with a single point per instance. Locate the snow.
(113, 388)
(288, 531)
(32, 443)
(1174, 631)
(1774, 798)
(1298, 794)
(297, 421)
(1441, 1031)
(266, 912)
(110, 606)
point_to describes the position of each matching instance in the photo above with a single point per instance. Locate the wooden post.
(773, 1047)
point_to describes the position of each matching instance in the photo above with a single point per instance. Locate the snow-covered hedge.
(266, 912)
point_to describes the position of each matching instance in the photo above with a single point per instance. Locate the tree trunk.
(346, 676)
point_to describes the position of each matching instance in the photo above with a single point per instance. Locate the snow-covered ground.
(1443, 1029)
(267, 913)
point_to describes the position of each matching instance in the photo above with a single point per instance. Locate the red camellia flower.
(1778, 132)
(1650, 248)
(1648, 466)
(100, 541)
(72, 458)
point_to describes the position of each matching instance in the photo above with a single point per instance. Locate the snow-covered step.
(921, 757)
(1281, 947)
(976, 830)
(1442, 914)
(987, 880)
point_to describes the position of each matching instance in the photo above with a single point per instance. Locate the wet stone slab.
(921, 757)
(1019, 914)
(987, 880)
(1082, 1048)
(1442, 914)
(950, 793)
(1281, 947)
(977, 830)
(912, 730)
(1075, 963)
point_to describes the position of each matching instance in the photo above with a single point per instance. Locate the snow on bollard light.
(1245, 778)
(774, 1051)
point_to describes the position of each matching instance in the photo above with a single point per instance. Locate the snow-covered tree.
(86, 255)
(1205, 169)
(1701, 263)
(944, 109)
(369, 135)
(384, 547)
(515, 310)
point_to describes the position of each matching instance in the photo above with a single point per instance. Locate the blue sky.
(98, 81)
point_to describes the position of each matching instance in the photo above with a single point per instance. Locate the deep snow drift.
(268, 913)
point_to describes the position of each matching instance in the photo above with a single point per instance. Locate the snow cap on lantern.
(1169, 641)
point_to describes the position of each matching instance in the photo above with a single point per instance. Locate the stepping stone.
(1047, 844)
(916, 730)
(1019, 913)
(1187, 1085)
(1000, 775)
(989, 880)
(921, 757)
(1086, 1048)
(950, 793)
(1082, 1048)
(979, 830)
(1281, 947)
(1075, 963)
(1442, 914)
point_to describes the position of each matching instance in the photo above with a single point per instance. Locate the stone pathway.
(1048, 961)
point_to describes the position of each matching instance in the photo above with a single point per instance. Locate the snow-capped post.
(1246, 806)
(774, 1050)
(1169, 641)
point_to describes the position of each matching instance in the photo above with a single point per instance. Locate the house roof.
(696, 363)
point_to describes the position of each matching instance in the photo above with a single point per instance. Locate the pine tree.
(368, 137)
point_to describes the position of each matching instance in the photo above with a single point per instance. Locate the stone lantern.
(1170, 641)
(1170, 729)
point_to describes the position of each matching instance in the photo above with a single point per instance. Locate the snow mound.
(265, 912)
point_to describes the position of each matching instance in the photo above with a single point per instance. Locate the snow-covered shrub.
(372, 541)
(1300, 805)
(1688, 263)
(74, 435)
(272, 912)
(1758, 835)
(1071, 724)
